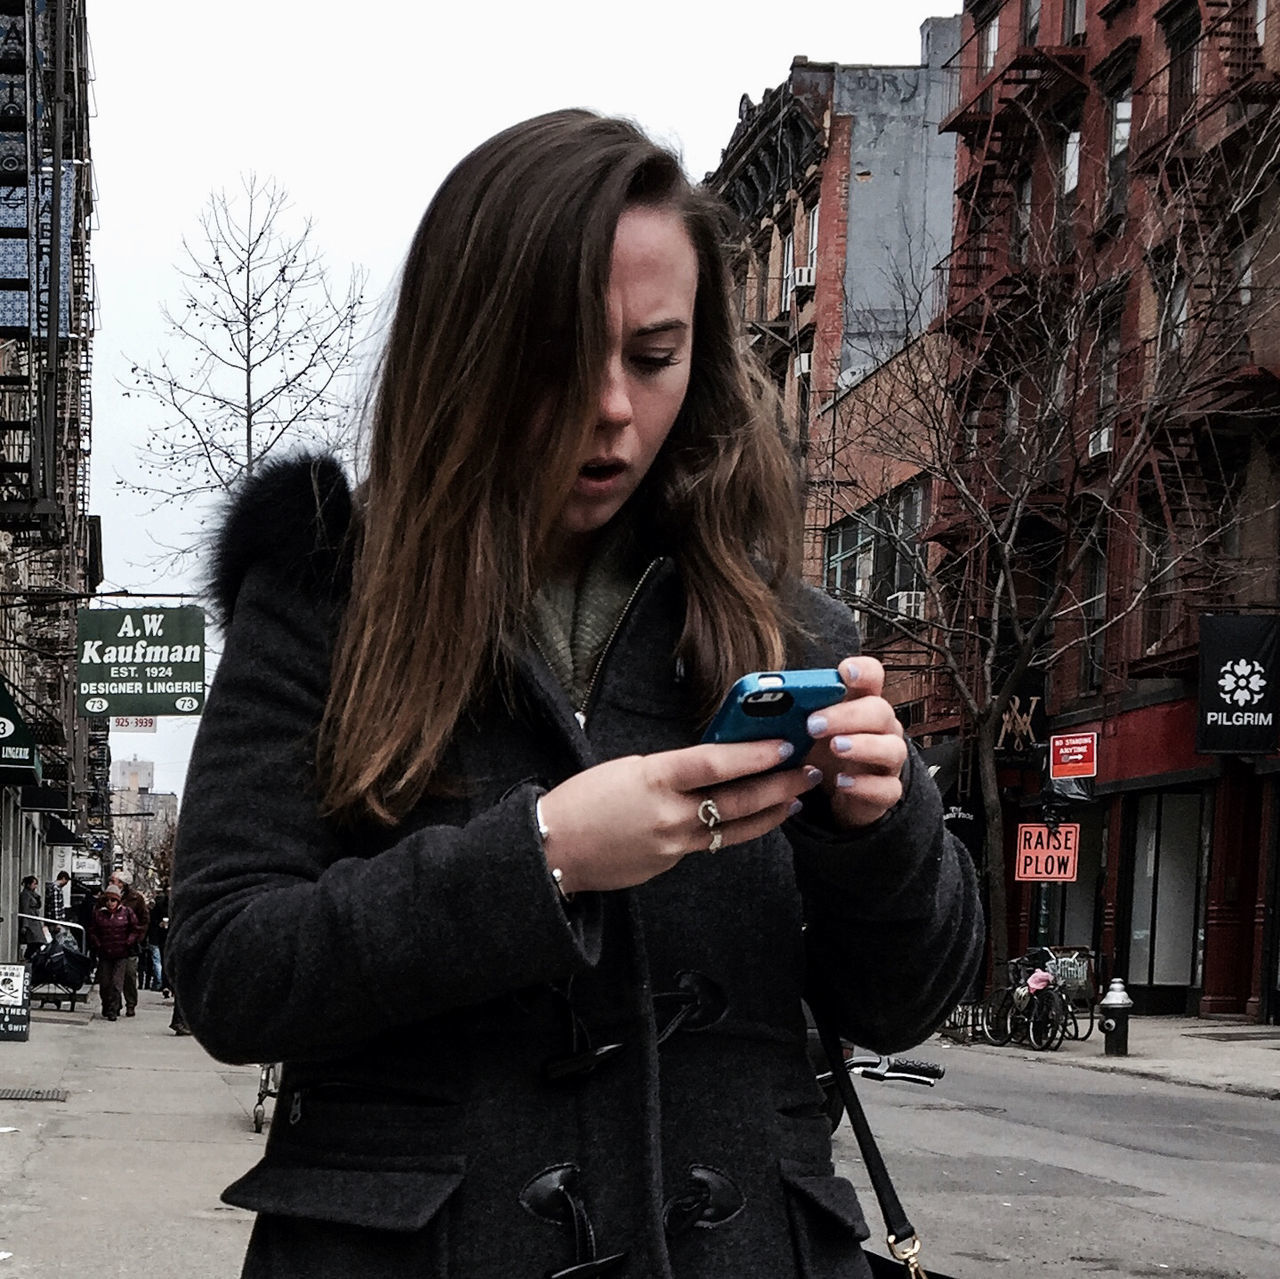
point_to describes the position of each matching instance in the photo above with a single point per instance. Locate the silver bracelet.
(544, 834)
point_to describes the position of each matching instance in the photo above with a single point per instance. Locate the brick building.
(842, 187)
(53, 764)
(1032, 472)
(1114, 377)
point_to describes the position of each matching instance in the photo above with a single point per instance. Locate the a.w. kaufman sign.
(1239, 710)
(140, 661)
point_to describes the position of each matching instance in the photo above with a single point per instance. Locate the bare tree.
(263, 348)
(1083, 431)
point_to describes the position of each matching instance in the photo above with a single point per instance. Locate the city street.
(1017, 1159)
(1068, 1164)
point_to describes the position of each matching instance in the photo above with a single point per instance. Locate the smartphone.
(775, 704)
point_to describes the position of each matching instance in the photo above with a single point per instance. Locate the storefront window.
(1165, 934)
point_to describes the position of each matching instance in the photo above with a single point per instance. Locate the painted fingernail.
(844, 781)
(841, 744)
(816, 725)
(812, 775)
(785, 750)
(795, 807)
(852, 672)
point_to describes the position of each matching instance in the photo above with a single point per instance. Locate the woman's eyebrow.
(660, 326)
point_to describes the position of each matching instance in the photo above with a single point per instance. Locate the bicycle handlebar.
(900, 1069)
(904, 1069)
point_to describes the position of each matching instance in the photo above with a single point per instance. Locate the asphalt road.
(1022, 1167)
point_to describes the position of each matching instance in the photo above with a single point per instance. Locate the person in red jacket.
(114, 929)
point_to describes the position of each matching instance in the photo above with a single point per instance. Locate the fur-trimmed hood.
(295, 512)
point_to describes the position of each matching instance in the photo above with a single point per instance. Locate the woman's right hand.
(621, 823)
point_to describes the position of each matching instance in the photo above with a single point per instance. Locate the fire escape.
(1003, 88)
(1204, 118)
(50, 552)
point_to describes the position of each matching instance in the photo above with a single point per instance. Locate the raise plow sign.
(1048, 854)
(140, 661)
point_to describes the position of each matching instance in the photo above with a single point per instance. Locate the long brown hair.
(487, 394)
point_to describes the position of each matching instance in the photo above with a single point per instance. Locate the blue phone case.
(775, 704)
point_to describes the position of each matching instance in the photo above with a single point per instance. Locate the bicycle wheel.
(1046, 1019)
(1085, 1015)
(996, 1014)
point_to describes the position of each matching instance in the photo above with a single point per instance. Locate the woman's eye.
(652, 363)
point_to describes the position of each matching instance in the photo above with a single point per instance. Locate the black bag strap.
(896, 1222)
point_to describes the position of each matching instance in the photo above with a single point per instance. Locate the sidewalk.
(1222, 1053)
(122, 1178)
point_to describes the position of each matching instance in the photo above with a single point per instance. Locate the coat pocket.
(827, 1224)
(390, 1196)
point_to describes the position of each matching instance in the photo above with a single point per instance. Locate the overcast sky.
(360, 111)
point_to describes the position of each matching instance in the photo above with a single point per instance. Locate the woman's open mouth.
(599, 476)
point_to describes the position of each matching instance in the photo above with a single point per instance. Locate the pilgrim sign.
(1239, 705)
(140, 662)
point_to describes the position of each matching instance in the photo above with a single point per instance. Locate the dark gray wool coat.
(479, 1082)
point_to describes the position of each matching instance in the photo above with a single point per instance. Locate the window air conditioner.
(907, 604)
(802, 277)
(1099, 441)
(804, 362)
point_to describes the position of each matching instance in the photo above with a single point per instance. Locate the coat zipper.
(581, 713)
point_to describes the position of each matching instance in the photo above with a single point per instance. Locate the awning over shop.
(19, 759)
(59, 834)
(45, 799)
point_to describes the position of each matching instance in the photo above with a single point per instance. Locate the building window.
(848, 560)
(988, 45)
(1019, 242)
(1093, 607)
(1073, 21)
(1156, 577)
(1068, 184)
(873, 557)
(1184, 67)
(1030, 21)
(811, 259)
(788, 270)
(1175, 308)
(1118, 162)
(1260, 21)
(1108, 380)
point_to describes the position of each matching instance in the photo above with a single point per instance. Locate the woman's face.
(653, 282)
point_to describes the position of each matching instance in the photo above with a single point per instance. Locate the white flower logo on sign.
(1243, 682)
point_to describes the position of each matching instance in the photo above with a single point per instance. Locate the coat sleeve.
(894, 928)
(286, 943)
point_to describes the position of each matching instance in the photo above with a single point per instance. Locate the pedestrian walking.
(135, 901)
(115, 930)
(31, 932)
(532, 955)
(153, 950)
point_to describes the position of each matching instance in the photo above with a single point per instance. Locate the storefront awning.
(59, 834)
(19, 759)
(45, 799)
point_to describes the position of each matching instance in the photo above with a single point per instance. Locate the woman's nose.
(615, 400)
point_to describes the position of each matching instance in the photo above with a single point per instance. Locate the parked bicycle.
(1048, 998)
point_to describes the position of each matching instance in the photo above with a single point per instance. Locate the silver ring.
(716, 840)
(709, 814)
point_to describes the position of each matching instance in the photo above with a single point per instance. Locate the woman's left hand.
(860, 747)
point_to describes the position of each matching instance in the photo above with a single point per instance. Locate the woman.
(30, 927)
(114, 930)
(445, 849)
